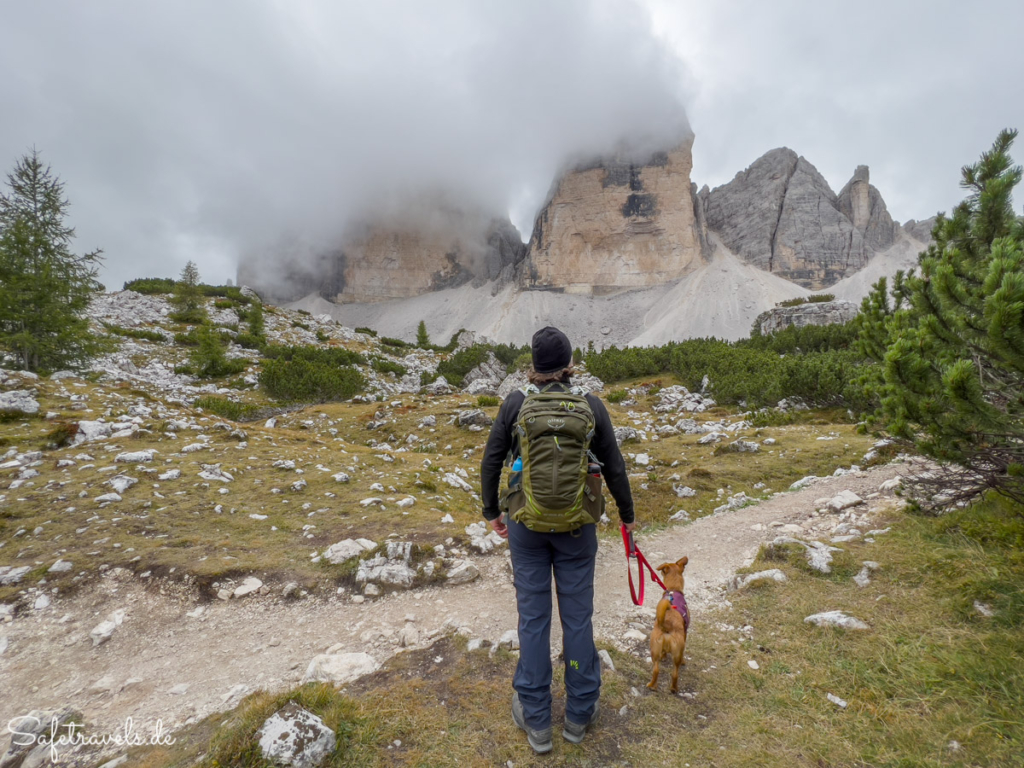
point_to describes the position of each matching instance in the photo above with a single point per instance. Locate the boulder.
(844, 500)
(742, 582)
(462, 572)
(342, 551)
(247, 587)
(135, 457)
(294, 736)
(835, 619)
(339, 668)
(475, 416)
(10, 575)
(19, 401)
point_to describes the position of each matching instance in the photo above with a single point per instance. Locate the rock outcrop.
(781, 215)
(442, 248)
(619, 223)
(817, 313)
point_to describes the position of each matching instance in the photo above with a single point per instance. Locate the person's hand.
(630, 526)
(499, 527)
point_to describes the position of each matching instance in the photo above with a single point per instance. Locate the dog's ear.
(664, 568)
(682, 563)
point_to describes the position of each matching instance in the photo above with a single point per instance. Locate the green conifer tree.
(44, 287)
(188, 296)
(256, 327)
(951, 347)
(422, 337)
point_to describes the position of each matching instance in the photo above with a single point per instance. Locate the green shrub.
(390, 342)
(740, 371)
(232, 292)
(488, 401)
(151, 285)
(134, 333)
(225, 303)
(367, 331)
(302, 380)
(322, 336)
(297, 324)
(248, 341)
(189, 339)
(617, 396)
(388, 366)
(336, 356)
(255, 320)
(208, 359)
(226, 408)
(819, 298)
(305, 312)
(193, 316)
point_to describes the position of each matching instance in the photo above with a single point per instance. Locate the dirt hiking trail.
(161, 663)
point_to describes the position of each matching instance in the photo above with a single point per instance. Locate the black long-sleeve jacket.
(603, 446)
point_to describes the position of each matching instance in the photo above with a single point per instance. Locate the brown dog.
(669, 633)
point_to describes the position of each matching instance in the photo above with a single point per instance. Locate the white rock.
(121, 483)
(509, 640)
(341, 477)
(339, 668)
(836, 700)
(178, 690)
(61, 566)
(682, 516)
(108, 497)
(684, 491)
(863, 578)
(984, 609)
(457, 482)
(642, 459)
(462, 572)
(41, 602)
(407, 502)
(803, 482)
(835, 619)
(294, 736)
(342, 551)
(102, 632)
(171, 474)
(135, 457)
(408, 636)
(606, 659)
(892, 484)
(843, 501)
(10, 575)
(753, 664)
(742, 582)
(372, 500)
(247, 587)
(18, 400)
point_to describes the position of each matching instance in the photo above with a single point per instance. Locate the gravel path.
(240, 646)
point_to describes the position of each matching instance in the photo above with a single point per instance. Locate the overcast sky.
(203, 130)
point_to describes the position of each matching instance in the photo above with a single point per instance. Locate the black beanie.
(551, 350)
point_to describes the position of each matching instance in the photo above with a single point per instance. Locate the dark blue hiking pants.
(572, 557)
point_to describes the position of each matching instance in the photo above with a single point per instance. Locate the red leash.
(633, 551)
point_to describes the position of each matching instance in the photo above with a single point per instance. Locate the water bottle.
(516, 477)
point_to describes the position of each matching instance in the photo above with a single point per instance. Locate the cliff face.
(616, 224)
(379, 262)
(781, 215)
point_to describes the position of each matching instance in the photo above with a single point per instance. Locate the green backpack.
(555, 429)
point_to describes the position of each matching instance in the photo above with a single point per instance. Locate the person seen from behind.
(559, 441)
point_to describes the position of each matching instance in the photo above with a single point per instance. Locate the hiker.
(559, 425)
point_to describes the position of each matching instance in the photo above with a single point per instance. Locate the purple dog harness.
(678, 602)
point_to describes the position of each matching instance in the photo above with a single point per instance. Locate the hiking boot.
(574, 732)
(539, 740)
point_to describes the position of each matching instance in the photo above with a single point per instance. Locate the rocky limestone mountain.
(379, 261)
(781, 215)
(619, 223)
